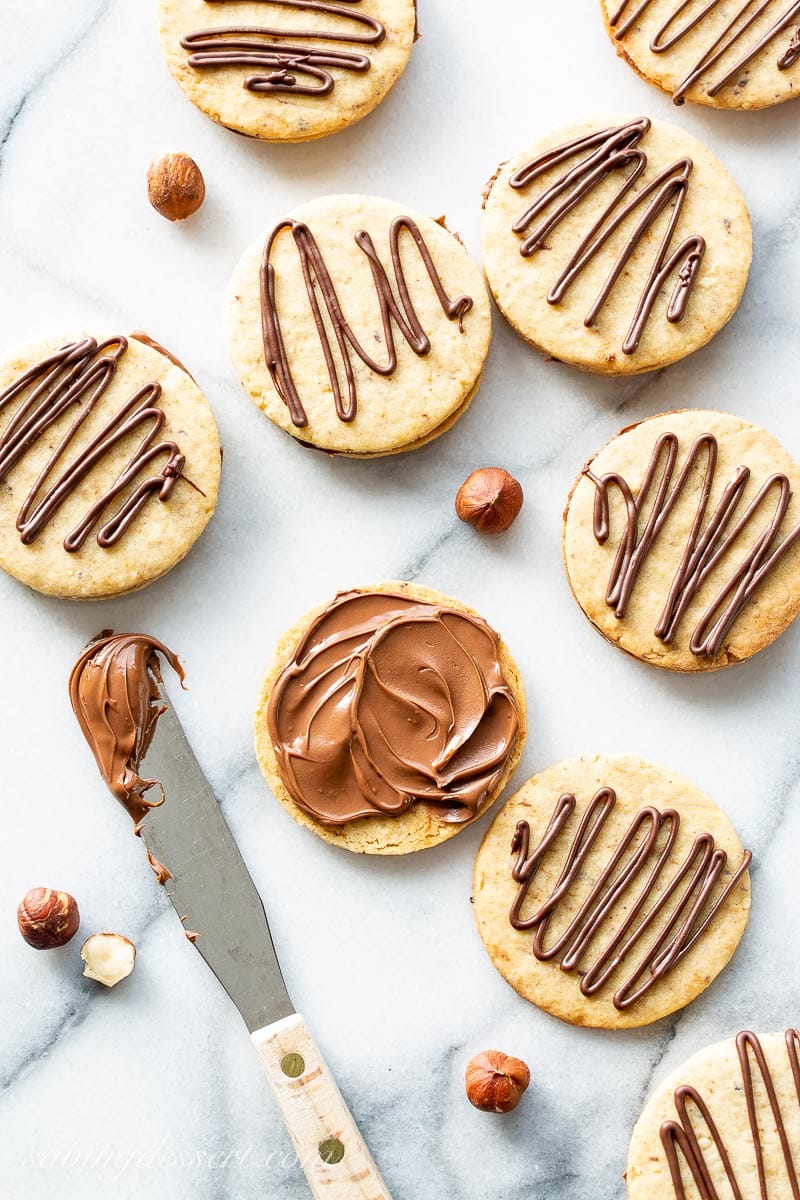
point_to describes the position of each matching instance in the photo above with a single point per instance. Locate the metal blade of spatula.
(222, 913)
(211, 887)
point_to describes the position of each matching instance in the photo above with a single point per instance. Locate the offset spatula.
(217, 901)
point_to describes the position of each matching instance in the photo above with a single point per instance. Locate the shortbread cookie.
(359, 327)
(725, 1124)
(610, 892)
(680, 540)
(390, 719)
(724, 53)
(109, 464)
(287, 70)
(616, 245)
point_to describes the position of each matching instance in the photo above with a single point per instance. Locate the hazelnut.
(495, 1082)
(175, 186)
(109, 957)
(489, 500)
(47, 918)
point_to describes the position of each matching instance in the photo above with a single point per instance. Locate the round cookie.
(109, 464)
(381, 347)
(630, 936)
(679, 52)
(618, 245)
(433, 725)
(716, 1109)
(677, 582)
(287, 70)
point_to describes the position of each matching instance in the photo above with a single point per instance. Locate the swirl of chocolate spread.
(708, 542)
(247, 46)
(388, 702)
(114, 690)
(635, 881)
(610, 150)
(681, 1137)
(742, 19)
(77, 377)
(317, 276)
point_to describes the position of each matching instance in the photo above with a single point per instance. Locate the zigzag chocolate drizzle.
(791, 54)
(281, 63)
(745, 16)
(317, 277)
(606, 151)
(78, 376)
(681, 1138)
(626, 882)
(708, 541)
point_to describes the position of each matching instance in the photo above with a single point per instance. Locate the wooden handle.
(331, 1150)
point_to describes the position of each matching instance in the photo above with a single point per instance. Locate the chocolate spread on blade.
(636, 881)
(744, 16)
(317, 279)
(388, 702)
(700, 1143)
(300, 70)
(606, 151)
(74, 380)
(114, 689)
(708, 543)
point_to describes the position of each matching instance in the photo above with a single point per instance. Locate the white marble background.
(101, 1093)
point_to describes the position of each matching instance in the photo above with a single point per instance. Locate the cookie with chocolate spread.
(680, 540)
(390, 719)
(358, 326)
(725, 1123)
(616, 245)
(287, 70)
(610, 892)
(109, 464)
(738, 54)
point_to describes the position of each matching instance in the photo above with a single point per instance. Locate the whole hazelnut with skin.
(108, 958)
(175, 186)
(489, 500)
(48, 919)
(495, 1081)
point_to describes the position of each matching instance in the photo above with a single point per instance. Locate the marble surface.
(155, 1086)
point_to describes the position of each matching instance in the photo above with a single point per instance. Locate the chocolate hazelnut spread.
(388, 702)
(115, 695)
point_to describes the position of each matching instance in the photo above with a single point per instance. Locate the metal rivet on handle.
(331, 1151)
(293, 1065)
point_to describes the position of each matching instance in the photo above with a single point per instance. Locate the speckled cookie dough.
(582, 272)
(584, 833)
(731, 55)
(725, 602)
(677, 1148)
(419, 826)
(76, 519)
(287, 70)
(440, 329)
